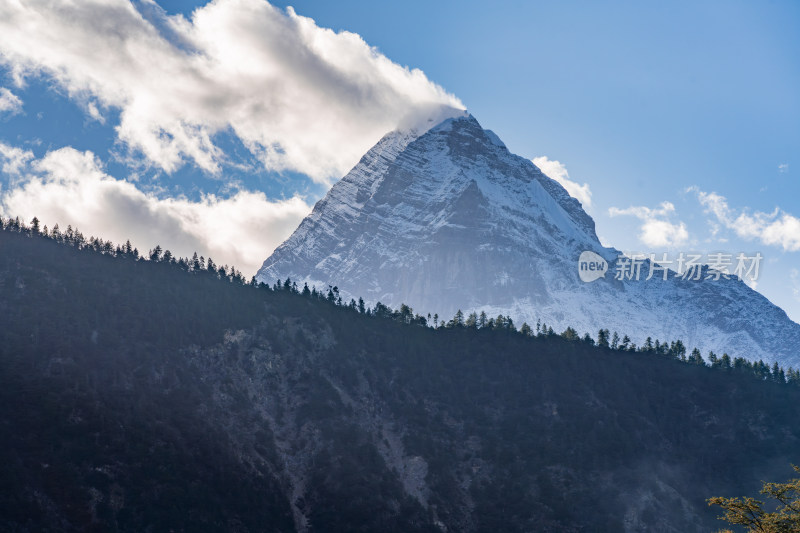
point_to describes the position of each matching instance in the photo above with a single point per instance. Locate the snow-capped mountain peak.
(445, 217)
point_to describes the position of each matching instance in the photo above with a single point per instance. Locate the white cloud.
(13, 159)
(783, 168)
(656, 230)
(774, 229)
(69, 187)
(558, 172)
(9, 102)
(298, 96)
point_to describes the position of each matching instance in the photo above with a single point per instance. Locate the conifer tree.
(472, 320)
(775, 371)
(696, 358)
(570, 334)
(678, 350)
(602, 338)
(648, 345)
(625, 344)
(155, 253)
(406, 314)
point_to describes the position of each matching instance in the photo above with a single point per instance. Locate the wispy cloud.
(10, 103)
(13, 160)
(783, 168)
(656, 230)
(777, 228)
(298, 96)
(67, 186)
(557, 171)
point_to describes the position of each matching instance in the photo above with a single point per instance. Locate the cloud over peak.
(777, 228)
(557, 171)
(657, 230)
(298, 96)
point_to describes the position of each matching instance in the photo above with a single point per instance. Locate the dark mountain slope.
(139, 397)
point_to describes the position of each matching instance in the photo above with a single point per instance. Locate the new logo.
(591, 266)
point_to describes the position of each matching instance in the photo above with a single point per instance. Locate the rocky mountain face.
(137, 396)
(449, 219)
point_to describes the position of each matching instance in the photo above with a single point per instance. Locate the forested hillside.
(158, 395)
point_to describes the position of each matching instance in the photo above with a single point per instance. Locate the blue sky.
(643, 103)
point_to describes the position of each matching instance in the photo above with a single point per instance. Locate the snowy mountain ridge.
(449, 219)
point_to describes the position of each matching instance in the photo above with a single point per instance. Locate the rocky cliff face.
(450, 219)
